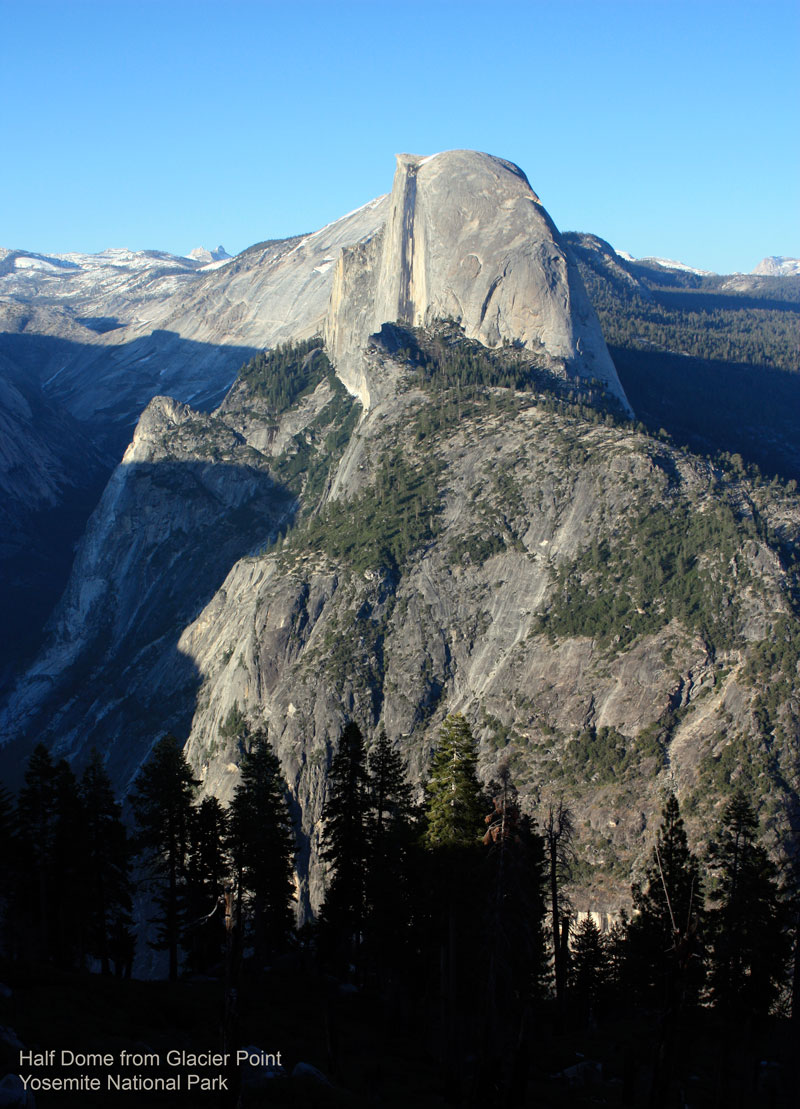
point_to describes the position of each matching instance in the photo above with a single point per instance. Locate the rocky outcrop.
(299, 641)
(179, 610)
(206, 257)
(778, 267)
(467, 239)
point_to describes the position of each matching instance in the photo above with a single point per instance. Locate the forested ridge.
(734, 318)
(713, 359)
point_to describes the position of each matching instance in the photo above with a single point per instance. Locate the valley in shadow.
(159, 546)
(83, 403)
(712, 406)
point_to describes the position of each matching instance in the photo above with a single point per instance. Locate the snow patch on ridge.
(665, 263)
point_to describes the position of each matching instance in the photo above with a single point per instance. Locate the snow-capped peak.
(202, 254)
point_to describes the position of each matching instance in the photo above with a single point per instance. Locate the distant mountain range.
(771, 267)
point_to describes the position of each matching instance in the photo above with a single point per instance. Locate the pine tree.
(8, 852)
(665, 955)
(747, 925)
(664, 934)
(106, 864)
(389, 793)
(454, 805)
(454, 815)
(617, 962)
(589, 962)
(70, 901)
(208, 863)
(37, 822)
(345, 841)
(514, 938)
(558, 831)
(162, 807)
(262, 846)
(206, 875)
(391, 848)
(48, 879)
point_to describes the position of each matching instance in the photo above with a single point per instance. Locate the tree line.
(448, 901)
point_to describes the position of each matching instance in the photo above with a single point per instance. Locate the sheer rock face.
(465, 238)
(50, 477)
(778, 267)
(462, 235)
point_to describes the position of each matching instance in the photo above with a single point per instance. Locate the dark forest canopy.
(453, 894)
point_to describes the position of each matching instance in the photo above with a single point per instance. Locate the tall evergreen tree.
(345, 841)
(747, 924)
(262, 847)
(589, 963)
(71, 893)
(664, 951)
(391, 849)
(106, 863)
(454, 816)
(454, 805)
(37, 821)
(389, 793)
(48, 873)
(162, 807)
(206, 876)
(7, 854)
(664, 934)
(615, 981)
(514, 939)
(558, 831)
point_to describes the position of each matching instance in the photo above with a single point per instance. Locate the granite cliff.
(465, 238)
(444, 507)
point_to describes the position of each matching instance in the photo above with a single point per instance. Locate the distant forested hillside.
(712, 359)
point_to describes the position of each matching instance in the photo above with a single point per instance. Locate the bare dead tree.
(558, 830)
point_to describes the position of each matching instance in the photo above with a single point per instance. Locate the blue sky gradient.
(670, 129)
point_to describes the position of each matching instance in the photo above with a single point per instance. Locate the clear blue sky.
(668, 128)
